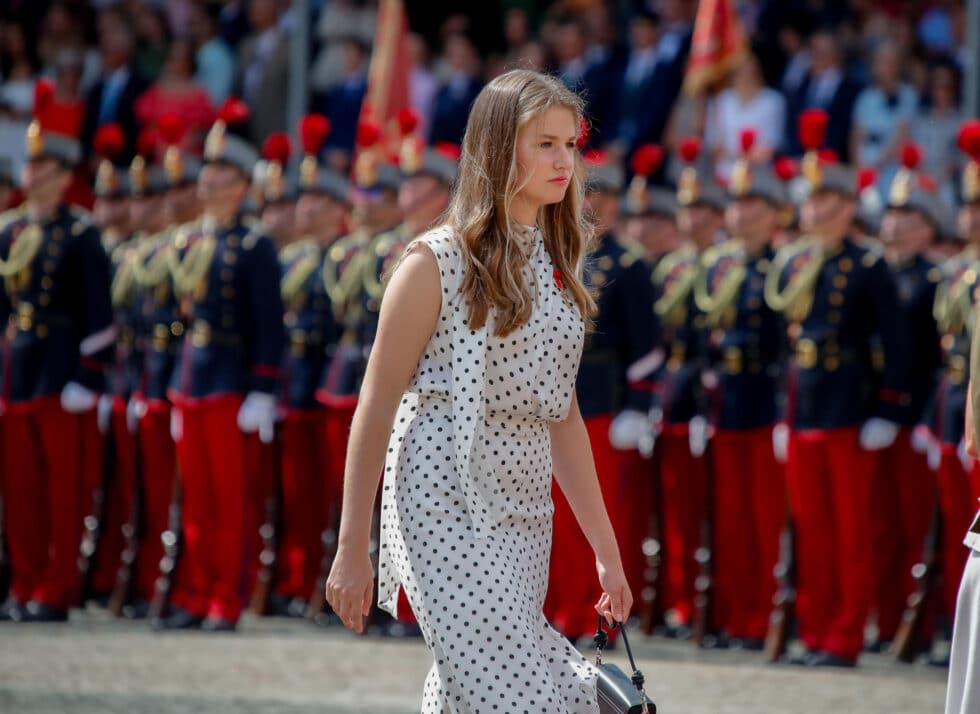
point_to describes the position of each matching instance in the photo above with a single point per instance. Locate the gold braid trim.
(953, 306)
(716, 304)
(376, 260)
(189, 272)
(297, 275)
(796, 299)
(23, 251)
(671, 305)
(341, 284)
(125, 278)
(151, 263)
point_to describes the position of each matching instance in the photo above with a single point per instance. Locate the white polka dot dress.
(466, 504)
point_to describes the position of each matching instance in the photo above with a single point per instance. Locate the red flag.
(387, 92)
(716, 47)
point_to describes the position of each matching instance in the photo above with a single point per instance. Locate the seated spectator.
(936, 126)
(66, 112)
(61, 30)
(176, 92)
(215, 61)
(152, 38)
(748, 103)
(342, 104)
(455, 97)
(881, 116)
(18, 70)
(825, 86)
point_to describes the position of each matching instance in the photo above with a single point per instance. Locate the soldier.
(226, 277)
(956, 297)
(682, 402)
(375, 211)
(58, 341)
(835, 294)
(623, 333)
(146, 218)
(275, 191)
(906, 489)
(746, 345)
(320, 218)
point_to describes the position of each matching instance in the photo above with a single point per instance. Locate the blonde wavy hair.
(479, 211)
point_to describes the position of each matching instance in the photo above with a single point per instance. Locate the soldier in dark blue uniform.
(746, 346)
(311, 497)
(275, 191)
(224, 385)
(956, 298)
(615, 412)
(682, 402)
(58, 341)
(906, 488)
(835, 294)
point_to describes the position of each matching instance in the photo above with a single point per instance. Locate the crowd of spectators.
(886, 71)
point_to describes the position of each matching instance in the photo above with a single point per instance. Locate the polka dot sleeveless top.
(466, 503)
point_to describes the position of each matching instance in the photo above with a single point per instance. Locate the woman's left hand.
(616, 600)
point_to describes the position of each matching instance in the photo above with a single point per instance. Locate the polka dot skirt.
(466, 503)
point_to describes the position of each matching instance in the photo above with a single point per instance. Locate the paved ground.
(272, 666)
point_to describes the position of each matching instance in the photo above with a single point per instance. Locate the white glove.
(780, 442)
(626, 429)
(878, 434)
(176, 424)
(651, 429)
(965, 459)
(135, 411)
(76, 399)
(698, 434)
(934, 456)
(103, 415)
(922, 439)
(258, 413)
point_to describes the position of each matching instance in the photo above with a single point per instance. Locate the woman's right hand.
(350, 587)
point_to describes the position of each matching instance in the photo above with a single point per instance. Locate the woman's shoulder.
(442, 241)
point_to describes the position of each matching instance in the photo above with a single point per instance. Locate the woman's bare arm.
(409, 313)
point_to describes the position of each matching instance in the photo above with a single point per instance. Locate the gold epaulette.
(874, 251)
(151, 261)
(297, 275)
(11, 215)
(289, 253)
(379, 258)
(796, 299)
(23, 251)
(124, 280)
(342, 272)
(955, 294)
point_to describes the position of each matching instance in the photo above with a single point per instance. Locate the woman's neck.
(524, 212)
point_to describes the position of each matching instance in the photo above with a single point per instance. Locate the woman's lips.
(559, 179)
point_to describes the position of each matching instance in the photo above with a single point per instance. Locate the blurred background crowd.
(886, 71)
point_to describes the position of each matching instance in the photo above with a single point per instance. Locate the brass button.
(233, 240)
(840, 281)
(42, 330)
(49, 266)
(177, 328)
(957, 369)
(834, 316)
(755, 321)
(228, 292)
(846, 265)
(58, 232)
(47, 283)
(373, 305)
(733, 360)
(794, 331)
(230, 257)
(201, 334)
(947, 342)
(53, 250)
(836, 299)
(598, 279)
(605, 263)
(44, 299)
(806, 354)
(77, 227)
(227, 274)
(831, 364)
(161, 330)
(290, 318)
(753, 303)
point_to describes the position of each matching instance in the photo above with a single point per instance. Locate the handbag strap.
(601, 640)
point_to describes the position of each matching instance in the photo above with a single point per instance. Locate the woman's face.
(943, 89)
(546, 156)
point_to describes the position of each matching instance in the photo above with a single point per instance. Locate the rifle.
(704, 583)
(172, 540)
(784, 601)
(89, 549)
(268, 531)
(651, 546)
(132, 532)
(318, 598)
(4, 558)
(906, 644)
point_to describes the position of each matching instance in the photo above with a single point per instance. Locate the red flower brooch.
(558, 280)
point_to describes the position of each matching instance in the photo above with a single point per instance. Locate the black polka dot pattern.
(466, 503)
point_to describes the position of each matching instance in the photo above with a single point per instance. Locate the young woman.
(477, 350)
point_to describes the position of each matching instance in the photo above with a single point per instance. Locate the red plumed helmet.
(911, 156)
(690, 149)
(408, 121)
(647, 159)
(969, 138)
(313, 130)
(866, 178)
(233, 111)
(828, 156)
(146, 142)
(747, 140)
(368, 133)
(43, 95)
(448, 149)
(813, 128)
(277, 147)
(785, 168)
(171, 128)
(109, 141)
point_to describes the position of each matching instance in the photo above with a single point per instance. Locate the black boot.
(36, 611)
(180, 619)
(11, 611)
(217, 624)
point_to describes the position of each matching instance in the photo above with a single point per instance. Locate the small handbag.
(619, 693)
